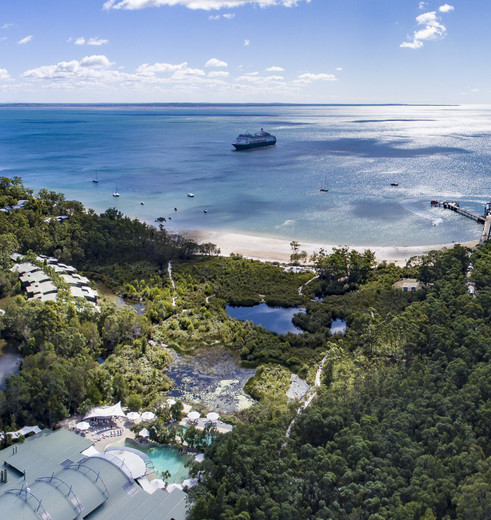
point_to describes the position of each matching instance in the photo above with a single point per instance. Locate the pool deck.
(109, 435)
(102, 436)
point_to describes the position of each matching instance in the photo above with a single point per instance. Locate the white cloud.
(206, 5)
(87, 68)
(218, 74)
(422, 5)
(256, 79)
(432, 30)
(89, 41)
(247, 43)
(214, 62)
(275, 69)
(445, 8)
(317, 77)
(226, 16)
(170, 71)
(97, 61)
(415, 44)
(339, 69)
(25, 40)
(4, 75)
(7, 25)
(156, 68)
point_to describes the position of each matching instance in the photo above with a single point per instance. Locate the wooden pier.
(481, 219)
(486, 232)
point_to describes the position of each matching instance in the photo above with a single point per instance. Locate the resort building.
(38, 284)
(58, 475)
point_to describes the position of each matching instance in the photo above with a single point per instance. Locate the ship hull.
(248, 146)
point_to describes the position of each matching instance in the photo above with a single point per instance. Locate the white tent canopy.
(148, 416)
(106, 411)
(212, 416)
(144, 433)
(133, 416)
(171, 402)
(29, 429)
(82, 426)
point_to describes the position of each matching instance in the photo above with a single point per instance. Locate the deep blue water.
(274, 319)
(157, 154)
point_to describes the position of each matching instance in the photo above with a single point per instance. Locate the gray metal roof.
(68, 486)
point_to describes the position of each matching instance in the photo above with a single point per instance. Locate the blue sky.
(301, 51)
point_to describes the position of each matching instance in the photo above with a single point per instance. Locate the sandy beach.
(279, 250)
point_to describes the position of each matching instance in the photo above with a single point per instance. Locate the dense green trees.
(401, 428)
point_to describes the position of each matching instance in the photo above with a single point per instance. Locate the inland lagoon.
(274, 319)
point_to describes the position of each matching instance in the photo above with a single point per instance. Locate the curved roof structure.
(48, 478)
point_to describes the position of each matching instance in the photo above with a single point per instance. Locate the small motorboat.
(191, 195)
(115, 194)
(394, 184)
(142, 203)
(323, 189)
(205, 211)
(175, 209)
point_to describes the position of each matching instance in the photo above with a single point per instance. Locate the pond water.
(9, 364)
(212, 377)
(274, 319)
(338, 326)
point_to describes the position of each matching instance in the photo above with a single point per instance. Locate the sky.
(245, 51)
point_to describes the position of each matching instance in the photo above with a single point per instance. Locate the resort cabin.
(408, 285)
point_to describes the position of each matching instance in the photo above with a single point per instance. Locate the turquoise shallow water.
(157, 154)
(166, 458)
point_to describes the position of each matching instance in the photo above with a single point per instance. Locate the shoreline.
(269, 249)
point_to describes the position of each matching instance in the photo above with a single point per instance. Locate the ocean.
(157, 154)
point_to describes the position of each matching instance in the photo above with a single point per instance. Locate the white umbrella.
(171, 402)
(144, 433)
(189, 482)
(148, 416)
(82, 426)
(133, 416)
(194, 416)
(212, 416)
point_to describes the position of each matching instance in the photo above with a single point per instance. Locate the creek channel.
(9, 363)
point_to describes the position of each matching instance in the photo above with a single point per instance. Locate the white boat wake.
(436, 221)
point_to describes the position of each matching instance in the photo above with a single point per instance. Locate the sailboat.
(323, 187)
(116, 194)
(95, 179)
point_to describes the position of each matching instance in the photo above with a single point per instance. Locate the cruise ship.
(257, 140)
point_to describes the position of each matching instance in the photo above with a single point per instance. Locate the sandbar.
(279, 250)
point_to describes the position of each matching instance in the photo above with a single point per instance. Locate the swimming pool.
(165, 458)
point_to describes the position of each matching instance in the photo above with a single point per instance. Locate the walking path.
(300, 289)
(310, 396)
(169, 270)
